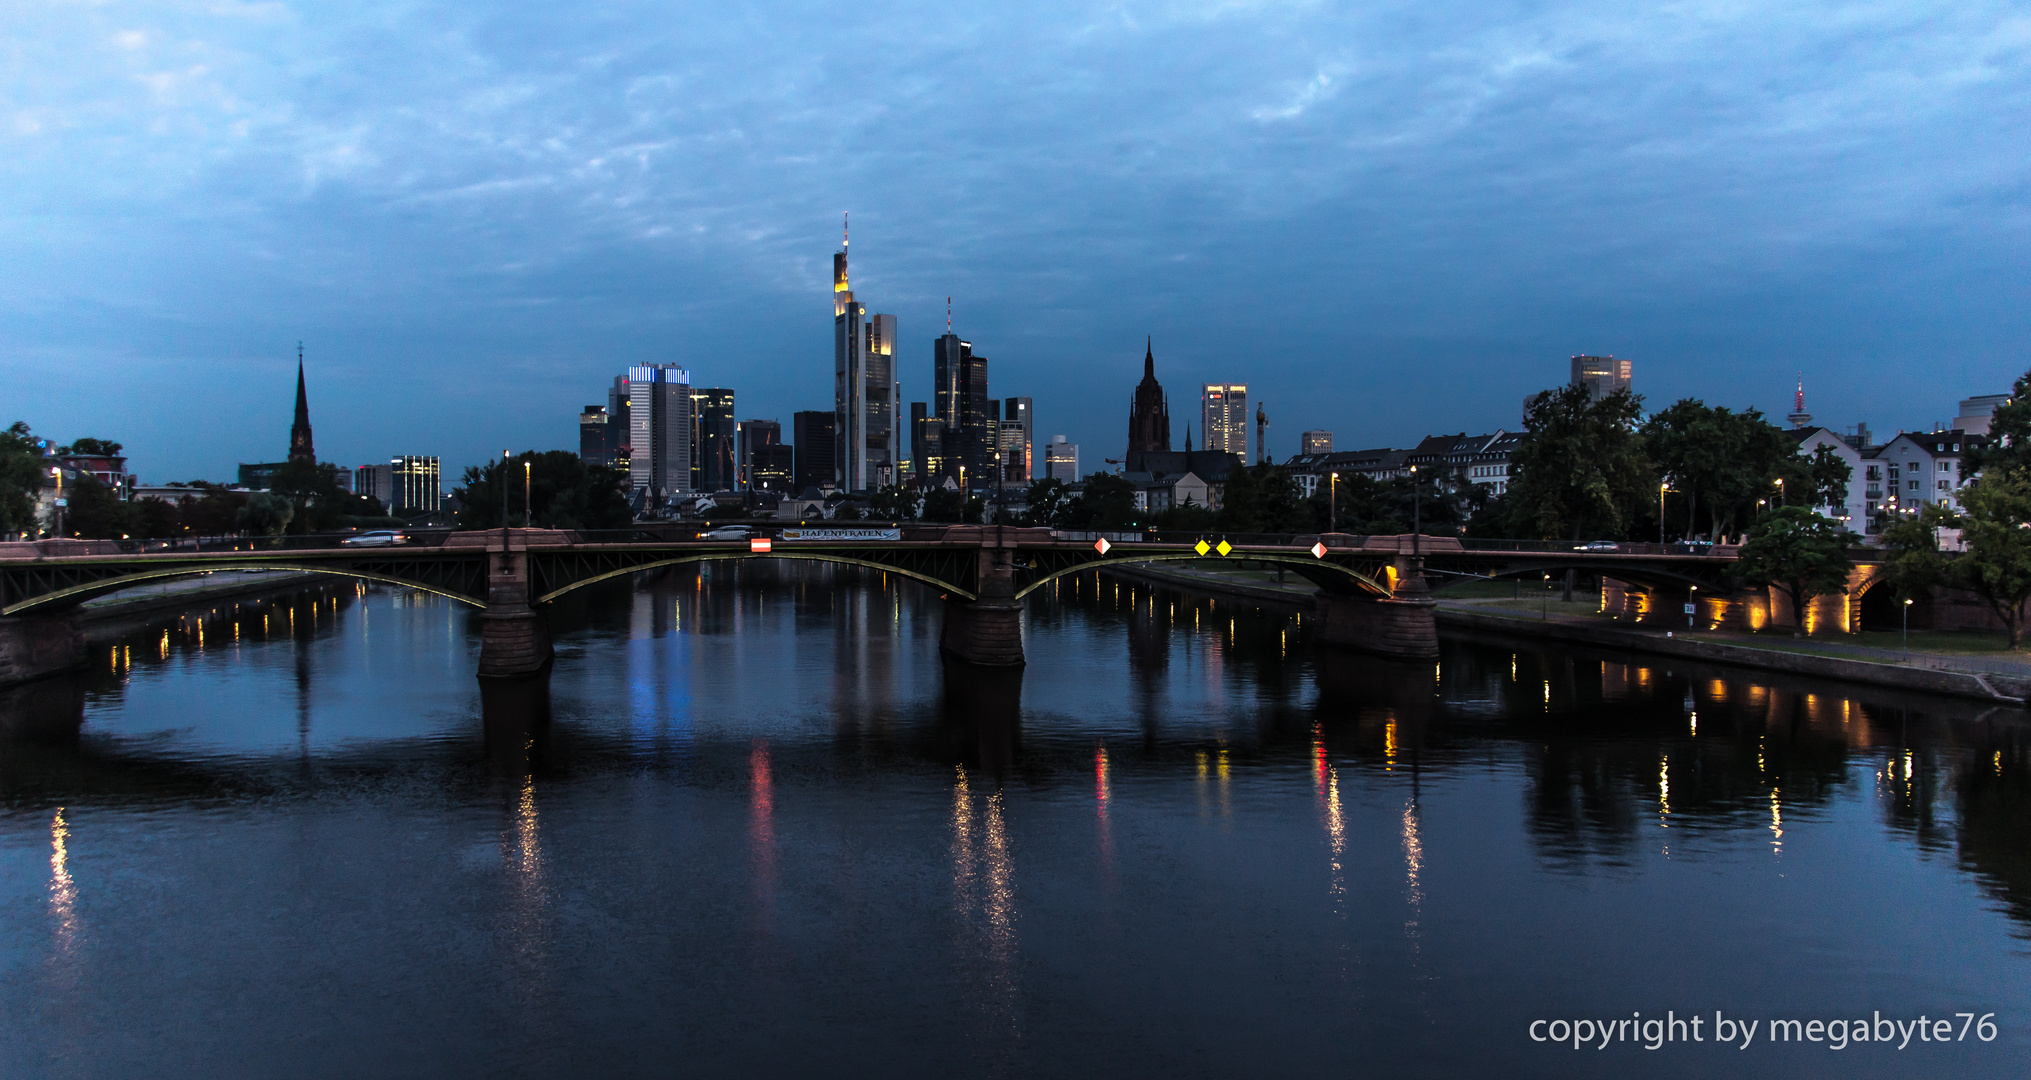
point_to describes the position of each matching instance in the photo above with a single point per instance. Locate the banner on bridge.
(842, 534)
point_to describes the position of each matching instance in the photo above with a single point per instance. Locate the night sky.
(1389, 219)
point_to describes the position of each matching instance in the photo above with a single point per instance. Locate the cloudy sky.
(1389, 219)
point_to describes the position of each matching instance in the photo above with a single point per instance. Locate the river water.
(754, 827)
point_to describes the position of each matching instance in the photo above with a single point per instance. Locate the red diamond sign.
(1318, 551)
(1101, 545)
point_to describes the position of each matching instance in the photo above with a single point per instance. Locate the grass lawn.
(1931, 641)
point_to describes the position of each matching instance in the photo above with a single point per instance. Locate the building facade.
(1018, 462)
(1315, 442)
(596, 436)
(1223, 418)
(1918, 469)
(715, 439)
(377, 482)
(414, 484)
(816, 443)
(772, 468)
(927, 446)
(1061, 460)
(659, 436)
(864, 388)
(750, 436)
(1601, 375)
(972, 429)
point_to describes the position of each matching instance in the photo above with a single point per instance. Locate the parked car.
(727, 532)
(1597, 545)
(377, 538)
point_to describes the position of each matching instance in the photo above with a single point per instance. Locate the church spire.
(300, 447)
(1149, 359)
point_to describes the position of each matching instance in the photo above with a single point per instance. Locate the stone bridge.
(1372, 593)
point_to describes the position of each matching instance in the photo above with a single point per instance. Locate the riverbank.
(1984, 679)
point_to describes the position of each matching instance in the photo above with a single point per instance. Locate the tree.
(1724, 462)
(92, 448)
(22, 471)
(1580, 466)
(1048, 500)
(267, 514)
(1828, 474)
(892, 503)
(1107, 505)
(1263, 499)
(1913, 564)
(563, 493)
(1798, 551)
(1995, 524)
(945, 504)
(95, 511)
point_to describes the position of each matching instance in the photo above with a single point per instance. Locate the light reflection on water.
(753, 823)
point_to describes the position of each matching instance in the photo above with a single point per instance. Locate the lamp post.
(1544, 600)
(1780, 491)
(504, 503)
(1333, 502)
(1661, 489)
(1907, 625)
(528, 514)
(1417, 510)
(1692, 607)
(57, 471)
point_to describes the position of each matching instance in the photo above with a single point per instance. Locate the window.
(1914, 485)
(1946, 466)
(1875, 472)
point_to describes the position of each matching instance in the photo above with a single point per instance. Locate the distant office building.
(596, 438)
(342, 477)
(617, 412)
(1977, 412)
(1316, 442)
(927, 445)
(1149, 414)
(772, 467)
(659, 435)
(1013, 454)
(816, 438)
(1017, 461)
(864, 388)
(1601, 375)
(376, 482)
(1224, 417)
(414, 484)
(1061, 459)
(971, 418)
(715, 434)
(752, 435)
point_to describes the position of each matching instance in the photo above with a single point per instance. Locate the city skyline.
(1420, 218)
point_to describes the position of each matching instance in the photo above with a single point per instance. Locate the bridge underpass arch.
(1331, 577)
(63, 599)
(939, 584)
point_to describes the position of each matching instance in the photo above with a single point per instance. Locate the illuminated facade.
(752, 436)
(1061, 459)
(864, 388)
(414, 485)
(1316, 442)
(1017, 461)
(1601, 375)
(1223, 418)
(659, 432)
(971, 424)
(715, 435)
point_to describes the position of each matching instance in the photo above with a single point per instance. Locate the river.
(753, 826)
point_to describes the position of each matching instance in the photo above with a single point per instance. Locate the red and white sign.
(1101, 545)
(1318, 551)
(758, 543)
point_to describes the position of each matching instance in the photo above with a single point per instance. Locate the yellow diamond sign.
(1224, 547)
(1101, 545)
(1201, 547)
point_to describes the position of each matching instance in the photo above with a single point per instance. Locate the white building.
(1920, 469)
(659, 435)
(1858, 510)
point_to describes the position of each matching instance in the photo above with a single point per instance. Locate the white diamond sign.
(1101, 545)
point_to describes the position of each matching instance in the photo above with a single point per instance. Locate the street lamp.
(527, 510)
(1907, 624)
(1333, 502)
(1417, 509)
(1544, 600)
(1780, 491)
(504, 504)
(1692, 607)
(57, 471)
(1661, 489)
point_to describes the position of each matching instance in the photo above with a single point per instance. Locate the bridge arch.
(1310, 569)
(78, 594)
(730, 556)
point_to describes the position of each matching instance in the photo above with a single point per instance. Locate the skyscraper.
(595, 435)
(1601, 375)
(816, 435)
(617, 410)
(1224, 418)
(1316, 442)
(659, 436)
(960, 396)
(1149, 414)
(864, 387)
(300, 448)
(414, 483)
(927, 446)
(753, 435)
(1017, 464)
(714, 433)
(772, 468)
(1061, 459)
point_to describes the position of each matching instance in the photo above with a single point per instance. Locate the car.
(377, 538)
(727, 532)
(1597, 545)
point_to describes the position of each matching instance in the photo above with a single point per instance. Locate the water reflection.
(983, 895)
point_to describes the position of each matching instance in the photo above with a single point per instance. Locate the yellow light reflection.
(1664, 791)
(1776, 821)
(63, 892)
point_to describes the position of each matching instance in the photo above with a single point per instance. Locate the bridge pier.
(32, 646)
(987, 631)
(514, 637)
(1404, 626)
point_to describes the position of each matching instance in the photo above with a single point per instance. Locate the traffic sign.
(1101, 545)
(1202, 547)
(758, 543)
(1318, 551)
(1224, 547)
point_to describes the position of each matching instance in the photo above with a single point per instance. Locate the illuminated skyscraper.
(1224, 417)
(1601, 375)
(659, 436)
(1061, 459)
(864, 387)
(972, 432)
(714, 431)
(1017, 463)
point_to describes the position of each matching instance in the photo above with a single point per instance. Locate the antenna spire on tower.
(1798, 403)
(948, 314)
(845, 234)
